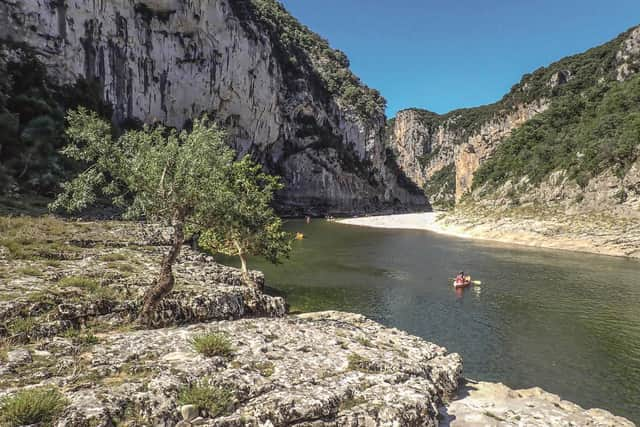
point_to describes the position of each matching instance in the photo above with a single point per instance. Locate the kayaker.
(460, 277)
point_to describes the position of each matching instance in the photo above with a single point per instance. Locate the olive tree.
(159, 174)
(248, 226)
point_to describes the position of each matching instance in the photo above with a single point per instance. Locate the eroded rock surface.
(316, 369)
(102, 275)
(482, 404)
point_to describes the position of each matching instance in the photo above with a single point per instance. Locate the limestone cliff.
(442, 153)
(427, 143)
(172, 60)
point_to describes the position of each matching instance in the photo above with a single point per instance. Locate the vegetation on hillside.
(570, 75)
(304, 54)
(186, 179)
(442, 187)
(592, 123)
(32, 123)
(582, 133)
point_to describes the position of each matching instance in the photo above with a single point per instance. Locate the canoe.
(464, 284)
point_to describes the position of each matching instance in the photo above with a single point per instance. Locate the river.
(567, 322)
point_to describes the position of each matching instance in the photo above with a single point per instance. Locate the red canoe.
(464, 284)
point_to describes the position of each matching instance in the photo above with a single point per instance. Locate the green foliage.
(583, 134)
(442, 183)
(212, 399)
(301, 50)
(22, 325)
(32, 406)
(212, 344)
(155, 173)
(266, 368)
(88, 284)
(246, 224)
(38, 238)
(425, 159)
(574, 75)
(357, 362)
(32, 121)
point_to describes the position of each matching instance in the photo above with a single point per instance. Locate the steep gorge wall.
(426, 143)
(434, 149)
(172, 60)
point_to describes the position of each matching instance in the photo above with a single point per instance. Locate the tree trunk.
(243, 262)
(164, 283)
(243, 266)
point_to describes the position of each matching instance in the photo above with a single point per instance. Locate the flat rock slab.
(482, 404)
(315, 369)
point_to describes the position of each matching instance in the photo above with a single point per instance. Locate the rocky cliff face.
(427, 143)
(171, 60)
(435, 150)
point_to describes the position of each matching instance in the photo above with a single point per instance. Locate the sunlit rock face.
(171, 60)
(426, 143)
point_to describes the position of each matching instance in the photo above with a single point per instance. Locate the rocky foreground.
(222, 354)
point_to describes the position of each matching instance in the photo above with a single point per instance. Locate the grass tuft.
(116, 256)
(22, 325)
(30, 271)
(212, 399)
(359, 363)
(212, 344)
(32, 406)
(88, 284)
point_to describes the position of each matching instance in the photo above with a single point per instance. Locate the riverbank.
(582, 233)
(222, 355)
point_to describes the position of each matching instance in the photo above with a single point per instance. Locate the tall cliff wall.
(172, 60)
(442, 153)
(427, 143)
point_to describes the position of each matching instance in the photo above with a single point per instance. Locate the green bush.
(443, 183)
(212, 344)
(22, 325)
(32, 110)
(32, 406)
(583, 134)
(212, 399)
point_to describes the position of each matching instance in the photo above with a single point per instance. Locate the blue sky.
(448, 54)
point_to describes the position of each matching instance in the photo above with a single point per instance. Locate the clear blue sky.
(447, 54)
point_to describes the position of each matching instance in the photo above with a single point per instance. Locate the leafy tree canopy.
(248, 225)
(187, 179)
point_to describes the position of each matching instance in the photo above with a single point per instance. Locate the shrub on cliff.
(583, 134)
(300, 49)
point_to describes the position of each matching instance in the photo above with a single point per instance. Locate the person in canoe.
(460, 279)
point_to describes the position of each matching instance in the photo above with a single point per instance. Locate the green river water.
(564, 321)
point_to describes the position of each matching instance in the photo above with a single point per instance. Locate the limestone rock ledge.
(316, 369)
(490, 404)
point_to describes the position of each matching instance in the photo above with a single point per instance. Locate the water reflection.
(567, 322)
